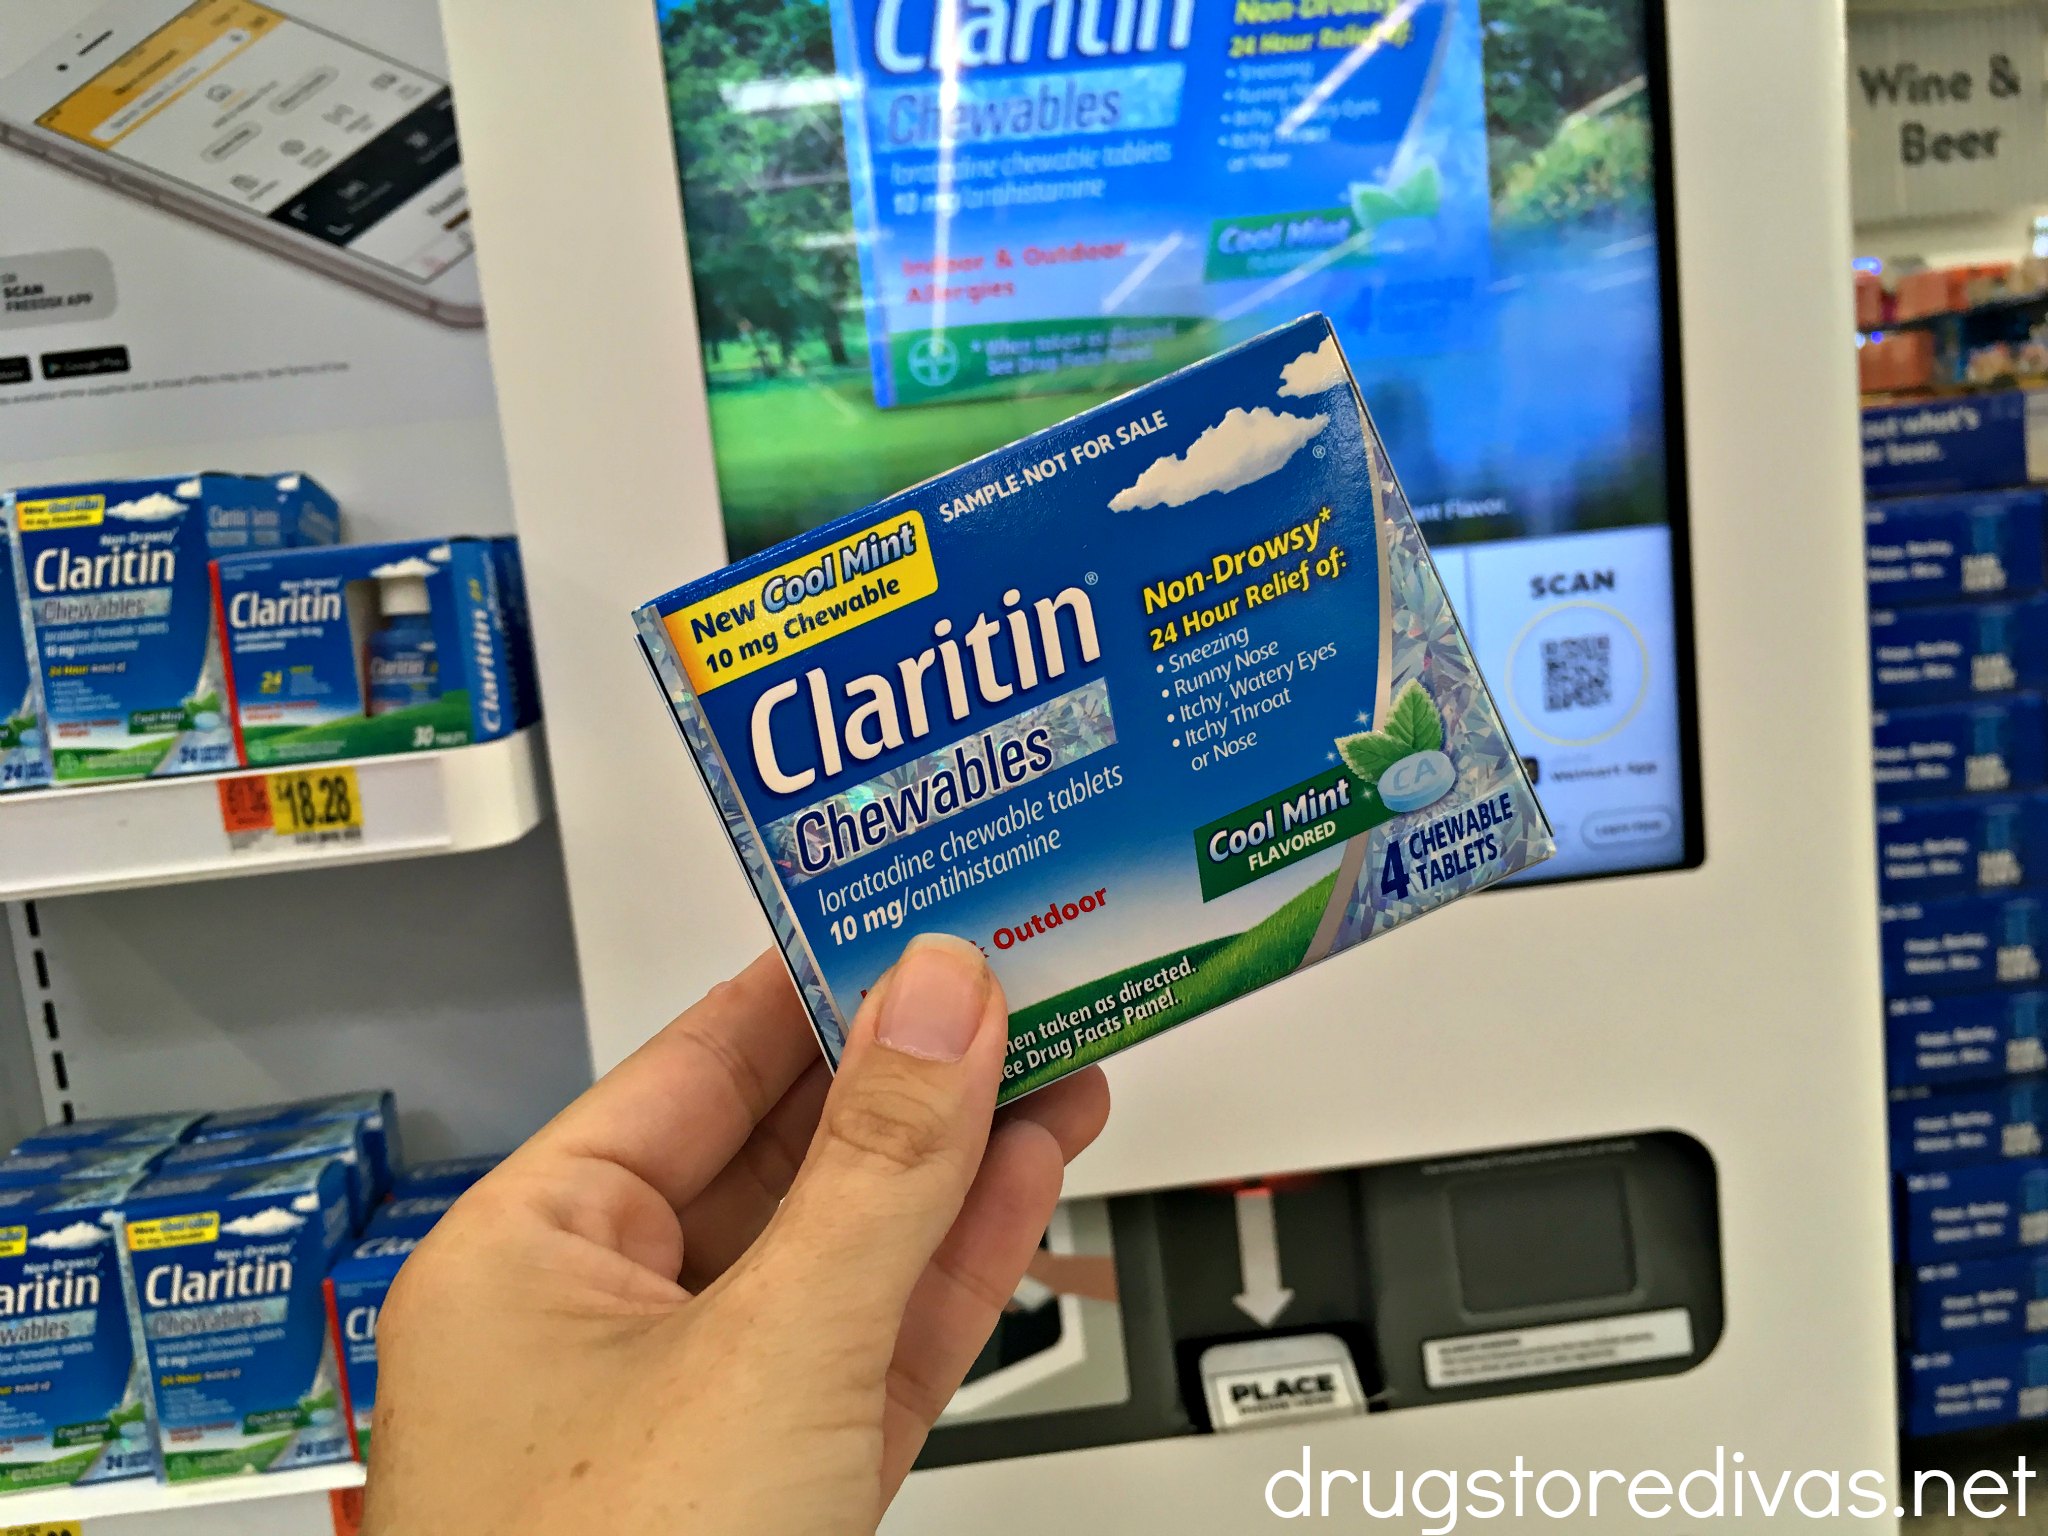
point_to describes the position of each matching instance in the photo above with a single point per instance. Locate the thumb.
(898, 1145)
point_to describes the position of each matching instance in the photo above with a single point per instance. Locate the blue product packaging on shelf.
(21, 1169)
(356, 1289)
(1973, 1213)
(411, 1215)
(1938, 654)
(341, 1139)
(1974, 444)
(1942, 750)
(24, 750)
(1965, 944)
(71, 1387)
(1964, 1037)
(113, 577)
(1930, 849)
(226, 1272)
(449, 1176)
(1974, 1387)
(375, 1108)
(1977, 1301)
(525, 671)
(113, 1131)
(1937, 549)
(1156, 706)
(365, 649)
(1976, 1123)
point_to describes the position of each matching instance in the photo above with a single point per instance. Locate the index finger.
(679, 1109)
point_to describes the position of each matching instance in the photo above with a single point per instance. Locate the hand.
(722, 1292)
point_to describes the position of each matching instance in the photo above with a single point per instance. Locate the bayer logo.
(934, 361)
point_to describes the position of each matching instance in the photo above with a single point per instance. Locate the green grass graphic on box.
(443, 723)
(60, 1472)
(73, 764)
(195, 1466)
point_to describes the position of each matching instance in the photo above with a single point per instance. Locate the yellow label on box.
(150, 76)
(174, 1231)
(315, 800)
(61, 1528)
(818, 596)
(13, 1242)
(64, 512)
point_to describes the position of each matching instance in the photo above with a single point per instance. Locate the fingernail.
(935, 999)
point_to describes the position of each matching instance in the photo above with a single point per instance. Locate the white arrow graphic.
(1263, 1298)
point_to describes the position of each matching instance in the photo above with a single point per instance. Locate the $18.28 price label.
(308, 806)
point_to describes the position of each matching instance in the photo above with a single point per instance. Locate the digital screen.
(238, 102)
(922, 229)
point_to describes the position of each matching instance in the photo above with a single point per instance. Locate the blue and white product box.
(1937, 549)
(356, 1289)
(1942, 750)
(1977, 1301)
(1975, 444)
(1962, 945)
(226, 1270)
(24, 751)
(374, 1108)
(1937, 654)
(411, 1215)
(1156, 706)
(1021, 189)
(1930, 849)
(1974, 1387)
(525, 670)
(24, 1168)
(1964, 1037)
(1977, 1123)
(71, 1388)
(449, 1176)
(341, 1139)
(114, 1131)
(365, 649)
(113, 577)
(1973, 1213)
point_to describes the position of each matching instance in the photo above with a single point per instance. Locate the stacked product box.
(1958, 665)
(165, 1306)
(211, 622)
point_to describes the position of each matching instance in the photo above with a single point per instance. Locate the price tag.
(308, 807)
(65, 1528)
(346, 1505)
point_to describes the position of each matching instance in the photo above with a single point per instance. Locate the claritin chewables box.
(1157, 706)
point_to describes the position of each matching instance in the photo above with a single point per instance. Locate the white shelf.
(60, 842)
(146, 1496)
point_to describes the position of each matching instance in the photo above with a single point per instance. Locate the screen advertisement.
(921, 229)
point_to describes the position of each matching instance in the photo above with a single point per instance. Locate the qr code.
(1577, 672)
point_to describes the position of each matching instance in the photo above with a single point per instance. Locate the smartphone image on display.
(262, 126)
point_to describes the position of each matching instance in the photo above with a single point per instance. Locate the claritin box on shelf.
(1157, 706)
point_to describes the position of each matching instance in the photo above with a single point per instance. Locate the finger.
(897, 1148)
(722, 1223)
(677, 1110)
(1074, 1109)
(969, 1281)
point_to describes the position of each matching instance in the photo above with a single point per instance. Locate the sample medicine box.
(1156, 706)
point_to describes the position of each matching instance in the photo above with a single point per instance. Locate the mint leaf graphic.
(1371, 206)
(1414, 722)
(1369, 755)
(1423, 193)
(1412, 726)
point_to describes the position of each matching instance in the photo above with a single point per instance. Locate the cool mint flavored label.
(1057, 193)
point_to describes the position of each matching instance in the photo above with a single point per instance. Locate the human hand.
(723, 1292)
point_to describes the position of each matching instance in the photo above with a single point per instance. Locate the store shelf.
(145, 1496)
(58, 842)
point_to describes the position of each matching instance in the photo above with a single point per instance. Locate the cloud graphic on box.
(80, 1234)
(153, 508)
(1244, 446)
(412, 567)
(265, 1223)
(1313, 372)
